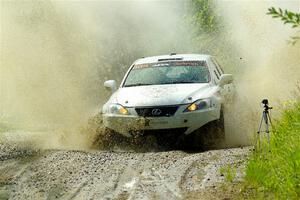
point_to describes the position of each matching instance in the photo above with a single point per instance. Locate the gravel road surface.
(27, 173)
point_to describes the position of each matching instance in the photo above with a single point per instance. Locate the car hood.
(160, 94)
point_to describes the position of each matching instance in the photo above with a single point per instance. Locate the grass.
(274, 172)
(229, 172)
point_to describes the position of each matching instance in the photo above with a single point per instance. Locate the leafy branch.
(287, 17)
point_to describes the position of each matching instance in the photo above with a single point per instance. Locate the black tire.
(189, 142)
(210, 136)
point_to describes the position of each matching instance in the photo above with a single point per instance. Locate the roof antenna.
(172, 54)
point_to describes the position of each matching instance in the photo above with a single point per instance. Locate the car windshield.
(173, 72)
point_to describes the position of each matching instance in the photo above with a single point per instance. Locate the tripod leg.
(266, 116)
(267, 127)
(259, 128)
(258, 132)
(269, 118)
(268, 133)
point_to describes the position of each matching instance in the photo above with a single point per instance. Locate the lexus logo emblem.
(156, 111)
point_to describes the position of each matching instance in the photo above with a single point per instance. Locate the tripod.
(267, 121)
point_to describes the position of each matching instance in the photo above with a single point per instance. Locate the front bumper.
(127, 124)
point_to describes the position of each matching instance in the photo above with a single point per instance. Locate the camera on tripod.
(265, 103)
(266, 119)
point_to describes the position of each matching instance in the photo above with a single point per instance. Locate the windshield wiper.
(137, 84)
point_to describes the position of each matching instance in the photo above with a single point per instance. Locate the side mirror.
(111, 84)
(225, 79)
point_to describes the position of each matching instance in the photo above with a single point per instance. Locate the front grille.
(158, 111)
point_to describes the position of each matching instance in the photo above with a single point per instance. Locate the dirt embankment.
(60, 174)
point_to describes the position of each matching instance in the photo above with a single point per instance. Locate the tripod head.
(266, 106)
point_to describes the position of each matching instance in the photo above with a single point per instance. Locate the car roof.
(171, 57)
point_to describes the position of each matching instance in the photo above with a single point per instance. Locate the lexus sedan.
(176, 92)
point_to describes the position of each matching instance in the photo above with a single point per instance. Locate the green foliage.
(202, 16)
(287, 17)
(208, 29)
(229, 172)
(275, 174)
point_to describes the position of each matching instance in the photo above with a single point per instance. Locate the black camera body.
(265, 103)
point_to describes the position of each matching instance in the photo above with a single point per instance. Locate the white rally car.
(176, 92)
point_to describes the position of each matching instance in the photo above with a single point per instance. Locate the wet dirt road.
(63, 174)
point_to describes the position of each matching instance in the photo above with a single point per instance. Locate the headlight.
(199, 105)
(117, 109)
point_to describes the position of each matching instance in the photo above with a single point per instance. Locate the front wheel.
(211, 135)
